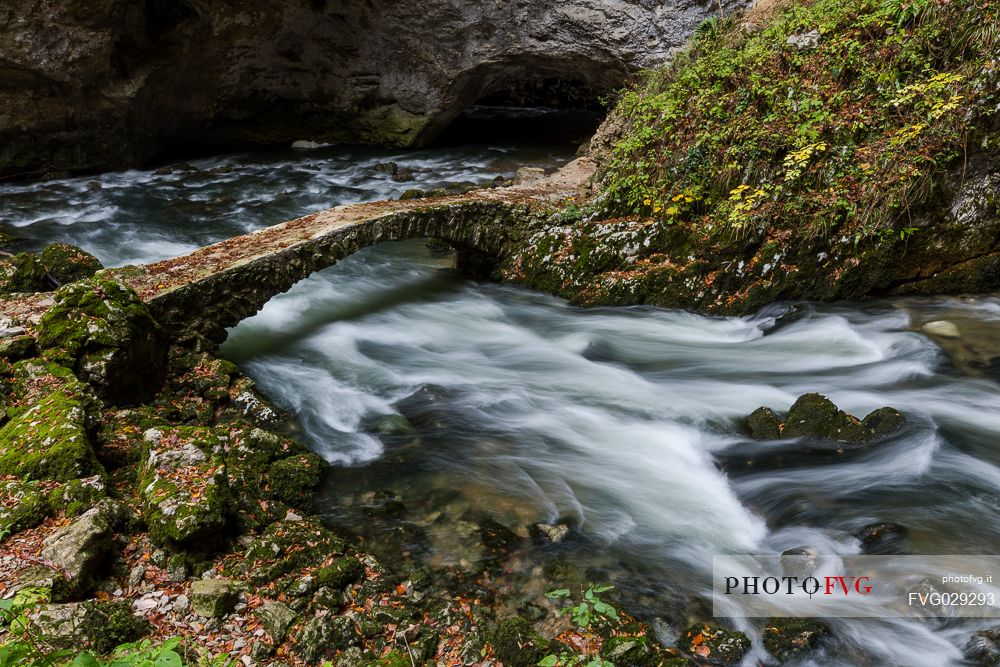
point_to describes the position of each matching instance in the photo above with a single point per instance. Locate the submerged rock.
(882, 538)
(942, 328)
(816, 417)
(101, 330)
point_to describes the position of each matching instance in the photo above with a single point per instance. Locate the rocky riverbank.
(148, 491)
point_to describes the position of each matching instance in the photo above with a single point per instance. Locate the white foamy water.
(622, 419)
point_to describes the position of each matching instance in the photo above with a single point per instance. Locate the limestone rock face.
(108, 83)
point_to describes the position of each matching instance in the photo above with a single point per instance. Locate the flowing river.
(524, 408)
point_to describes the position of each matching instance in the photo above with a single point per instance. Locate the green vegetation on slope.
(830, 116)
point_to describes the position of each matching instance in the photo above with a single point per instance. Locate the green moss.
(48, 441)
(78, 495)
(517, 644)
(637, 651)
(785, 638)
(66, 263)
(17, 347)
(751, 169)
(293, 480)
(184, 486)
(104, 332)
(286, 547)
(23, 505)
(341, 573)
(23, 273)
(394, 658)
(110, 624)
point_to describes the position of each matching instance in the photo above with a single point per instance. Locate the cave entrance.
(544, 111)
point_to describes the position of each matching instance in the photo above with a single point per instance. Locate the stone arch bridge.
(214, 287)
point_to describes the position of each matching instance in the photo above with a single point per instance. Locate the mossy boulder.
(23, 272)
(637, 651)
(342, 572)
(763, 424)
(97, 625)
(517, 644)
(185, 492)
(287, 547)
(324, 635)
(78, 495)
(816, 417)
(717, 646)
(785, 638)
(265, 466)
(49, 440)
(294, 479)
(107, 335)
(65, 263)
(80, 549)
(23, 505)
(14, 348)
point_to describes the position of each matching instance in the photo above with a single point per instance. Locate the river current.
(622, 421)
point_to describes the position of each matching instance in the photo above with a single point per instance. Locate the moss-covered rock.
(23, 505)
(342, 572)
(48, 440)
(294, 479)
(286, 547)
(23, 272)
(213, 597)
(637, 651)
(717, 646)
(785, 638)
(815, 416)
(66, 263)
(763, 424)
(78, 495)
(101, 330)
(183, 484)
(80, 549)
(324, 635)
(96, 625)
(14, 348)
(517, 644)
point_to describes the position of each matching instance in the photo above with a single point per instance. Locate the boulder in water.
(816, 417)
(983, 648)
(786, 638)
(66, 263)
(882, 538)
(716, 645)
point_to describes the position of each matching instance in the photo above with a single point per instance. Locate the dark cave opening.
(544, 111)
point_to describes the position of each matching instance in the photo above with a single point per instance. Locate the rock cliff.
(110, 83)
